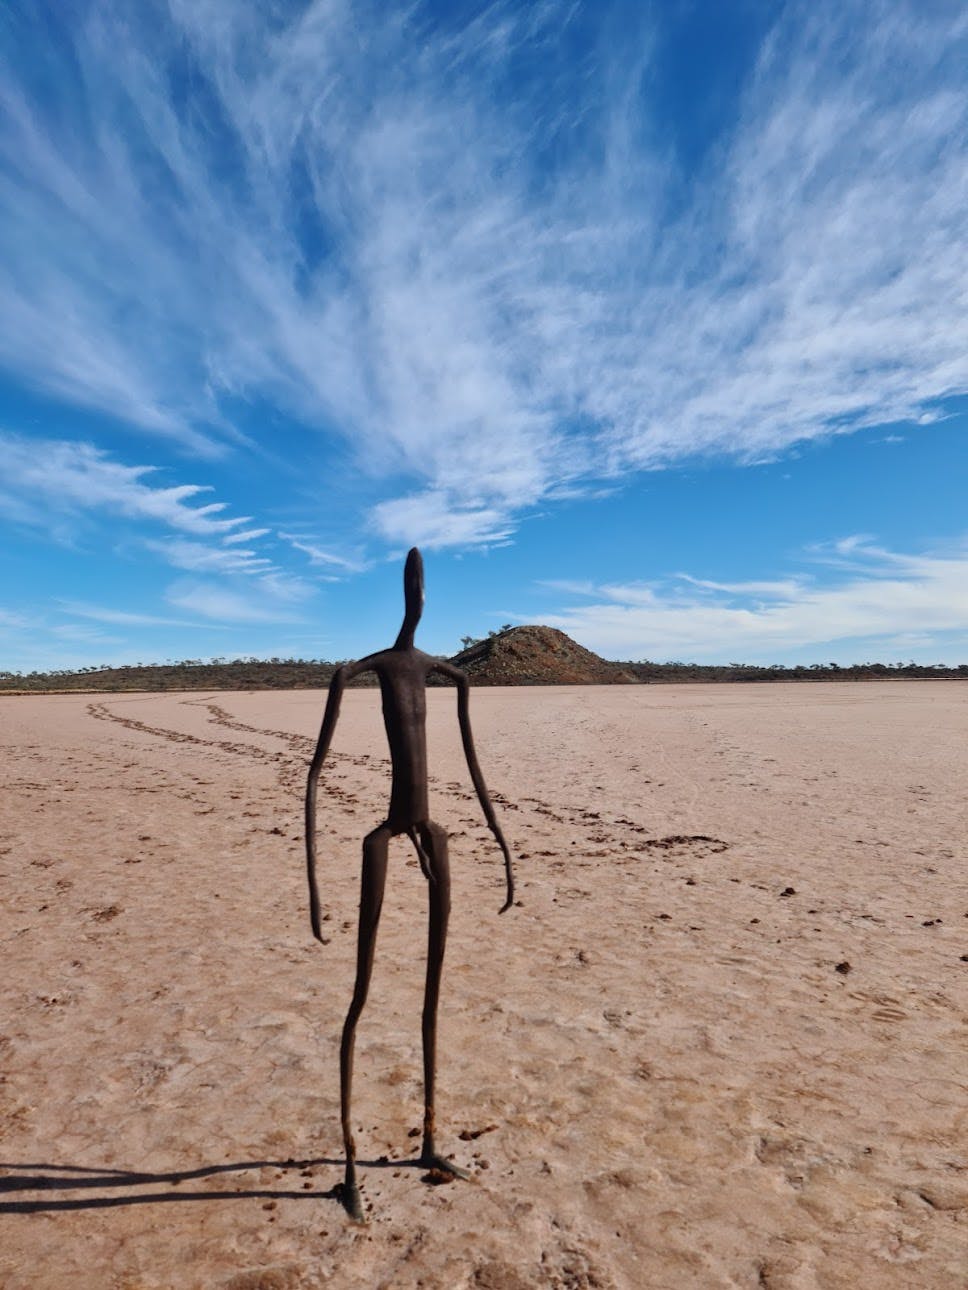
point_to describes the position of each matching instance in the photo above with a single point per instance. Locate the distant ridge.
(515, 656)
(537, 656)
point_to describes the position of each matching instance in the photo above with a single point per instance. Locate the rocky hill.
(537, 656)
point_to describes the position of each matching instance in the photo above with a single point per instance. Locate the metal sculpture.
(402, 671)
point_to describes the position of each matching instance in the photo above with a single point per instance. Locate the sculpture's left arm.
(463, 717)
(330, 717)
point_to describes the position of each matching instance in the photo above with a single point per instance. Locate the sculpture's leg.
(375, 850)
(434, 840)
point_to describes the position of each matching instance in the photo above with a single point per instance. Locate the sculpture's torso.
(403, 678)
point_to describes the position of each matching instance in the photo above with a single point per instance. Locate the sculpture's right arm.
(336, 686)
(483, 796)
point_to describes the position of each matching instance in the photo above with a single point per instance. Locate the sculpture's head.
(413, 592)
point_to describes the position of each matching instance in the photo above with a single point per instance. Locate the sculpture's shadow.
(73, 1178)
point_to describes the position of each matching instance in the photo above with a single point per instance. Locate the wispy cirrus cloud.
(435, 519)
(199, 558)
(47, 480)
(876, 600)
(65, 486)
(223, 603)
(120, 617)
(83, 634)
(249, 535)
(492, 284)
(322, 557)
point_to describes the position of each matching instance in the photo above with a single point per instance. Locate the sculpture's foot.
(440, 1164)
(352, 1202)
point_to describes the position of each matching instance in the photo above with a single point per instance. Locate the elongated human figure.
(402, 671)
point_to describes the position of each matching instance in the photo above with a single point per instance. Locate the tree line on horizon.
(297, 673)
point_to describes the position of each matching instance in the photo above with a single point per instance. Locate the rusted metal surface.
(402, 672)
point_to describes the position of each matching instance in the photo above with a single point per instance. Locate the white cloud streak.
(493, 290)
(249, 535)
(321, 556)
(226, 604)
(197, 557)
(433, 519)
(45, 480)
(49, 483)
(871, 607)
(121, 617)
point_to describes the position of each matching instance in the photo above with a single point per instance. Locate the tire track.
(100, 712)
(620, 835)
(606, 832)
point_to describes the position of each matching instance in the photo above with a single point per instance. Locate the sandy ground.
(720, 1042)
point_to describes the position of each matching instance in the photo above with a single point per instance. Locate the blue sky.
(648, 321)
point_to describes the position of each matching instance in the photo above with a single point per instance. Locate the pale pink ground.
(671, 1083)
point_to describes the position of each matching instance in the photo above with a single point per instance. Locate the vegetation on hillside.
(186, 674)
(315, 674)
(648, 671)
(536, 655)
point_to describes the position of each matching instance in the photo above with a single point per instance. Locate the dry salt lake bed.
(720, 1042)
